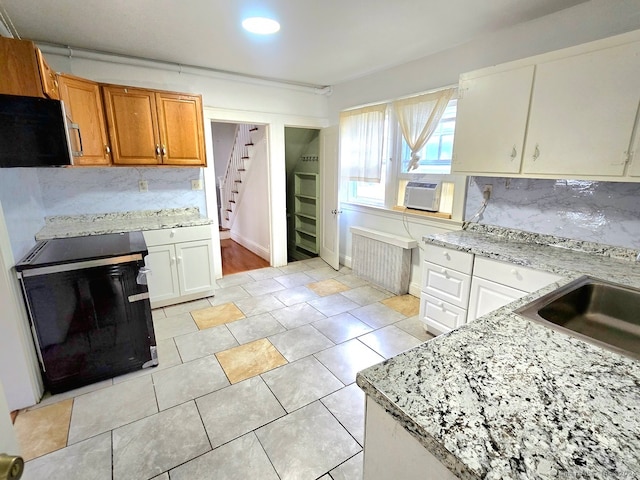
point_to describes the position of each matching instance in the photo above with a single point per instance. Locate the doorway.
(303, 192)
(241, 171)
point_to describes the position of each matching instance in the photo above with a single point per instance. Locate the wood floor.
(236, 258)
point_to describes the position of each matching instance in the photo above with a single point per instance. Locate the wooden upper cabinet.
(150, 127)
(23, 70)
(181, 129)
(48, 77)
(133, 125)
(83, 102)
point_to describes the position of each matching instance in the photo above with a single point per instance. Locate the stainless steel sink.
(594, 310)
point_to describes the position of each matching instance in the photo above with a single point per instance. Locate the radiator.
(382, 258)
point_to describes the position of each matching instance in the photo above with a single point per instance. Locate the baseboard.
(346, 261)
(251, 246)
(414, 289)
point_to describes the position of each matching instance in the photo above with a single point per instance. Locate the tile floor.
(256, 382)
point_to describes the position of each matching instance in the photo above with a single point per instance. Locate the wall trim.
(252, 246)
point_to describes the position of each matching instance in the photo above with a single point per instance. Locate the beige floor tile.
(407, 305)
(328, 287)
(249, 360)
(43, 430)
(213, 316)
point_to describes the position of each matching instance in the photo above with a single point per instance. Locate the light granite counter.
(98, 224)
(505, 397)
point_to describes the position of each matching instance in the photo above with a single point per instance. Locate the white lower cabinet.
(181, 265)
(496, 284)
(458, 287)
(390, 452)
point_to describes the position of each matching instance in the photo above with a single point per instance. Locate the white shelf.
(306, 211)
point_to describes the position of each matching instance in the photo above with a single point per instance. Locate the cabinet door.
(583, 110)
(181, 129)
(491, 122)
(19, 74)
(83, 102)
(194, 262)
(48, 77)
(488, 296)
(133, 127)
(163, 279)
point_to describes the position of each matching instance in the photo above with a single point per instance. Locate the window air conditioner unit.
(422, 196)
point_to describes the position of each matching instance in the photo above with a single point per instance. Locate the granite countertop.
(97, 224)
(506, 397)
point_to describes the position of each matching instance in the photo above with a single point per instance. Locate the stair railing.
(232, 183)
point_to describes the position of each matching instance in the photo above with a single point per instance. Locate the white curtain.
(418, 118)
(362, 142)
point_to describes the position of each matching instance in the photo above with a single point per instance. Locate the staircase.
(231, 187)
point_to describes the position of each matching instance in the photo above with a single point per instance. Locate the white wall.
(19, 372)
(223, 138)
(585, 22)
(23, 207)
(251, 224)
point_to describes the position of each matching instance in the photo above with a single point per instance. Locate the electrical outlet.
(196, 184)
(143, 186)
(487, 190)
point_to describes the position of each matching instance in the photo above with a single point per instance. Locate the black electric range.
(89, 308)
(60, 251)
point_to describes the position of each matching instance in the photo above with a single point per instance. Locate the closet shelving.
(306, 210)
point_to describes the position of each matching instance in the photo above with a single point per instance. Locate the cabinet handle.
(173, 260)
(536, 153)
(514, 271)
(107, 149)
(514, 153)
(164, 150)
(157, 149)
(179, 259)
(445, 255)
(173, 232)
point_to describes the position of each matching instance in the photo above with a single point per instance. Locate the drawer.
(446, 257)
(511, 275)
(166, 236)
(446, 284)
(439, 315)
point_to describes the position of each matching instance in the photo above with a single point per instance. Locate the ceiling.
(321, 42)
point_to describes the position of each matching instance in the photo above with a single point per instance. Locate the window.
(434, 159)
(436, 155)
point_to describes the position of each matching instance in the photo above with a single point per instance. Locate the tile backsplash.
(602, 212)
(73, 191)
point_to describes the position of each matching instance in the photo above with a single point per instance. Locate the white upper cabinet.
(571, 113)
(491, 121)
(583, 111)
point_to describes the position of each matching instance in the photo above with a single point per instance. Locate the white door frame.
(277, 176)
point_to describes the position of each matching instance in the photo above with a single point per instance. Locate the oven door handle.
(138, 296)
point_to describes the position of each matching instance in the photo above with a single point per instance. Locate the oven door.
(89, 323)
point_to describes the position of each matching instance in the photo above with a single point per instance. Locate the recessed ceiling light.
(260, 25)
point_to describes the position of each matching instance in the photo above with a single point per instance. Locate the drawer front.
(446, 284)
(440, 314)
(511, 275)
(446, 257)
(166, 236)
